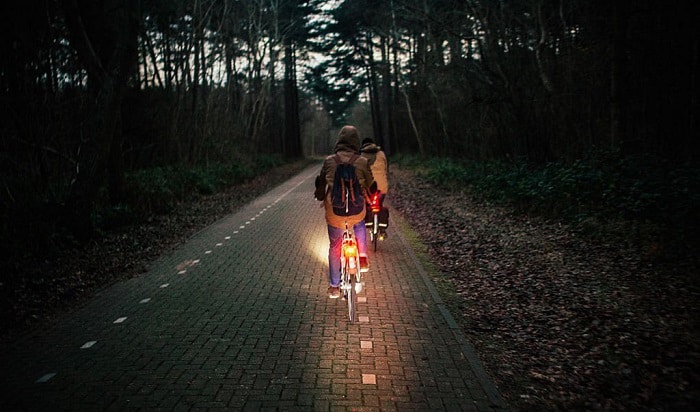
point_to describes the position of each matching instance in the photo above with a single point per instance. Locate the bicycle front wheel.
(352, 299)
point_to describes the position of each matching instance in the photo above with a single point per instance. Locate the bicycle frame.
(350, 271)
(375, 207)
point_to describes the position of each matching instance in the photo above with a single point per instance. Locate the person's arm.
(370, 183)
(321, 183)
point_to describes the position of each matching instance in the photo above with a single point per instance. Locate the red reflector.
(375, 203)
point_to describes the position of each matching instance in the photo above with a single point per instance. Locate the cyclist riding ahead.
(350, 211)
(379, 166)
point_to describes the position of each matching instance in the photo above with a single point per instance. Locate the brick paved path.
(238, 319)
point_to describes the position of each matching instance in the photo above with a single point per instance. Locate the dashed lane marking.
(46, 377)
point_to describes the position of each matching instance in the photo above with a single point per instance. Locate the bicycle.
(350, 272)
(374, 207)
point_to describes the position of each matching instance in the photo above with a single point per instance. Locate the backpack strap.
(352, 163)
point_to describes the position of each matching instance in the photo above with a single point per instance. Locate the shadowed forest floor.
(560, 322)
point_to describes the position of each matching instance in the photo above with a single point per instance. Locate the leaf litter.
(561, 322)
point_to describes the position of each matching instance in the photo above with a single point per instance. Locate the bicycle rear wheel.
(375, 231)
(352, 299)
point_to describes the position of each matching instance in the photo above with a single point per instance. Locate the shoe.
(333, 292)
(364, 264)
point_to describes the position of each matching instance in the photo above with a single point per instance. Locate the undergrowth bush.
(653, 196)
(38, 224)
(157, 190)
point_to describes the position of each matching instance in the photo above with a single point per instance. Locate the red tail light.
(375, 203)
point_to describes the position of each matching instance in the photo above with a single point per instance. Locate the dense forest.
(93, 90)
(115, 113)
(104, 100)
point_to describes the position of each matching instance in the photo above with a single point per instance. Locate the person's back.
(347, 151)
(378, 163)
(346, 148)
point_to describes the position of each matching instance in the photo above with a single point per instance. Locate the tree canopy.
(542, 80)
(91, 90)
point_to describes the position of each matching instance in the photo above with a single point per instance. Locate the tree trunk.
(385, 101)
(618, 74)
(419, 139)
(541, 50)
(291, 105)
(105, 36)
(374, 102)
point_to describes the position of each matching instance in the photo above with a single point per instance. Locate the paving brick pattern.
(238, 319)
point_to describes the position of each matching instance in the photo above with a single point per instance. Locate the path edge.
(466, 347)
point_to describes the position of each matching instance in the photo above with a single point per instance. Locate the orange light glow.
(349, 250)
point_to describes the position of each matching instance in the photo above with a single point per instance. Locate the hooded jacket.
(378, 165)
(348, 144)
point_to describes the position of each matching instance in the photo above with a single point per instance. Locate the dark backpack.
(346, 196)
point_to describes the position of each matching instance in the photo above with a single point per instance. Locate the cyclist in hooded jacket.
(380, 169)
(347, 145)
(378, 163)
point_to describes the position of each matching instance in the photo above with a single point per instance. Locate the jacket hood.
(348, 140)
(370, 148)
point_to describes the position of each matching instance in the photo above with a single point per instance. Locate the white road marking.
(369, 379)
(46, 377)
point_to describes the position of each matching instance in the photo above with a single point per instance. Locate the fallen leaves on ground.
(561, 322)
